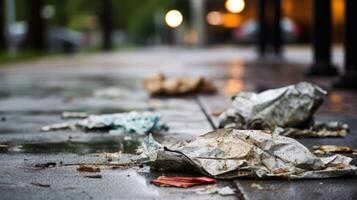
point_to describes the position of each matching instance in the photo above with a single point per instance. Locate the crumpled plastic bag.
(287, 110)
(231, 153)
(158, 84)
(131, 122)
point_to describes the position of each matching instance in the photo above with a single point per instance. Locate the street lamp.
(173, 18)
(235, 6)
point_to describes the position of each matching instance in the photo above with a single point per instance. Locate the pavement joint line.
(209, 119)
(240, 192)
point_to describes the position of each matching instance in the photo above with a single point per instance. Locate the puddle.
(87, 147)
(59, 112)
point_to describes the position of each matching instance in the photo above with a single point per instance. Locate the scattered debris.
(224, 191)
(46, 165)
(287, 111)
(93, 176)
(158, 84)
(109, 93)
(324, 149)
(112, 156)
(131, 122)
(69, 115)
(230, 153)
(330, 129)
(183, 182)
(88, 168)
(257, 186)
(210, 189)
(41, 185)
(61, 126)
(121, 165)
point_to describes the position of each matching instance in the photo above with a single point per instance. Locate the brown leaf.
(87, 168)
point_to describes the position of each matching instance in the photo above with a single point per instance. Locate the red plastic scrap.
(184, 182)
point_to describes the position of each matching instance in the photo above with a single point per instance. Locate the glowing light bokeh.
(173, 18)
(231, 20)
(214, 18)
(235, 6)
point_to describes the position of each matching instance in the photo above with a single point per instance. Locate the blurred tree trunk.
(35, 38)
(105, 16)
(2, 25)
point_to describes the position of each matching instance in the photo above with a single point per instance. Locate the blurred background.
(42, 27)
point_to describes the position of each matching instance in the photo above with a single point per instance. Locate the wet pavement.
(34, 94)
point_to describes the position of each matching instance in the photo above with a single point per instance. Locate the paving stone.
(17, 181)
(34, 94)
(342, 188)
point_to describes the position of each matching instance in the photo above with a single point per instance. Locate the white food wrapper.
(288, 111)
(230, 153)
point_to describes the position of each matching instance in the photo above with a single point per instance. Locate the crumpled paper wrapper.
(230, 153)
(131, 122)
(288, 111)
(158, 84)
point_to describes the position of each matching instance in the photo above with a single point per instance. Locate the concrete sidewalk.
(34, 94)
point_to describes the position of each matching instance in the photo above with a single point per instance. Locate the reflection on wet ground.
(232, 86)
(127, 145)
(33, 97)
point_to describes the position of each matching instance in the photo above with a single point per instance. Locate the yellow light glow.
(231, 20)
(214, 18)
(173, 18)
(235, 6)
(338, 10)
(236, 83)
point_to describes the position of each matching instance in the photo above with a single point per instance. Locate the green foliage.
(135, 17)
(6, 57)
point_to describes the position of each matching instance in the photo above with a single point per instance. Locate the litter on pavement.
(257, 186)
(87, 168)
(318, 129)
(213, 189)
(69, 115)
(158, 84)
(324, 149)
(289, 110)
(184, 182)
(110, 93)
(131, 122)
(230, 153)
